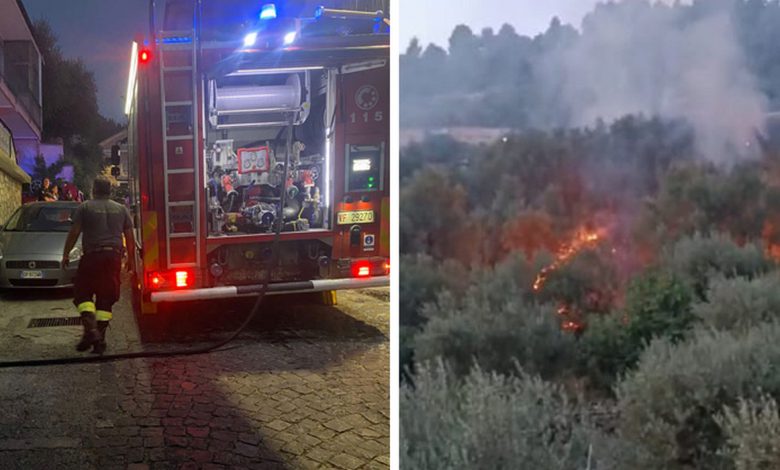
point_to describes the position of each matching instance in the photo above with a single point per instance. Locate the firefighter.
(101, 223)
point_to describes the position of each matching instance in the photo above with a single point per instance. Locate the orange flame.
(582, 239)
(571, 326)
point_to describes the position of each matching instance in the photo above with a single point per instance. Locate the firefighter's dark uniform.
(103, 222)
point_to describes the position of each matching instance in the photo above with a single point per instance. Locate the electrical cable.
(184, 352)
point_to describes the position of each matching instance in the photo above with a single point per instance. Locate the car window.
(14, 220)
(41, 219)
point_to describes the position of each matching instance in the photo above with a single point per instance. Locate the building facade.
(120, 139)
(20, 102)
(12, 178)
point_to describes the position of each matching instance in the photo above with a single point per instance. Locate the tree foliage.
(502, 80)
(70, 111)
(669, 404)
(489, 421)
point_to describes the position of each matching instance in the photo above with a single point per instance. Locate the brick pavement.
(316, 398)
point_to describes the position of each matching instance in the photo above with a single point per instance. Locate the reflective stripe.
(151, 251)
(86, 307)
(384, 229)
(103, 315)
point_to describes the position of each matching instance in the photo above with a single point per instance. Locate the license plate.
(32, 274)
(355, 217)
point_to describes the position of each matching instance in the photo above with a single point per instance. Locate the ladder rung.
(177, 69)
(179, 137)
(181, 171)
(184, 235)
(176, 34)
(182, 265)
(178, 103)
(180, 203)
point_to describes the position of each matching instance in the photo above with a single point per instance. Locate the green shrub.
(658, 305)
(739, 302)
(422, 278)
(669, 402)
(488, 421)
(605, 350)
(511, 279)
(495, 336)
(698, 258)
(752, 430)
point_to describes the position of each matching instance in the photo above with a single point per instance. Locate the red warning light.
(182, 279)
(361, 269)
(144, 56)
(156, 280)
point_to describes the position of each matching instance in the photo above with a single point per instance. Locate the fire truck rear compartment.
(250, 114)
(247, 264)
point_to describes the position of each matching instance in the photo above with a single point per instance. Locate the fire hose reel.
(253, 105)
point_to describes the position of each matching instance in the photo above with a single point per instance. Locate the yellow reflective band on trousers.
(102, 315)
(86, 307)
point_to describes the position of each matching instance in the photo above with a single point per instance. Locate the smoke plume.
(678, 63)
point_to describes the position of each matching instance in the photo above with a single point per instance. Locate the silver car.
(31, 245)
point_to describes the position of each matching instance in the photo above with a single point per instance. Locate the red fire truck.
(220, 93)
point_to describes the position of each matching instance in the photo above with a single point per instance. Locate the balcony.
(19, 87)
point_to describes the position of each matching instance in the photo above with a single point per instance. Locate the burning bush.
(489, 421)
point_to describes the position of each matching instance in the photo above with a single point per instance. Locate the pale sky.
(434, 20)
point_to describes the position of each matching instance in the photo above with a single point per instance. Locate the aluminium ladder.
(185, 168)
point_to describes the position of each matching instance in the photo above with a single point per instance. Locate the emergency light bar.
(250, 39)
(268, 12)
(144, 56)
(322, 12)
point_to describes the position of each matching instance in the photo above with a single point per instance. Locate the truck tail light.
(155, 280)
(169, 279)
(361, 269)
(182, 279)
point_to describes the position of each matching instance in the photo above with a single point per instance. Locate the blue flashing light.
(249, 39)
(289, 38)
(268, 11)
(319, 12)
(177, 40)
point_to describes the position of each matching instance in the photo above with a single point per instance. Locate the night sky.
(99, 32)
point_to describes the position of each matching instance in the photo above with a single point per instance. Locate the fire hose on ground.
(183, 352)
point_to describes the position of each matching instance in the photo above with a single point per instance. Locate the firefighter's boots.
(100, 344)
(91, 334)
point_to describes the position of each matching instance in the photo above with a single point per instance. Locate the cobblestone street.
(305, 387)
